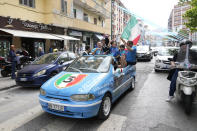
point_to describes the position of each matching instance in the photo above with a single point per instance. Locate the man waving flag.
(132, 31)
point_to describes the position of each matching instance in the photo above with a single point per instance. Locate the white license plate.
(23, 79)
(56, 107)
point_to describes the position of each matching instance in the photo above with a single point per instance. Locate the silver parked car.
(161, 61)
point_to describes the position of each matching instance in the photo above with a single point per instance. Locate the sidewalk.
(6, 83)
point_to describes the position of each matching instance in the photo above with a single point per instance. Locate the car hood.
(164, 58)
(35, 68)
(67, 83)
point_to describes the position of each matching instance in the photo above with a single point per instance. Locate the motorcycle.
(23, 60)
(186, 84)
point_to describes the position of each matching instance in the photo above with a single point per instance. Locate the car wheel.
(4, 73)
(105, 108)
(156, 70)
(132, 86)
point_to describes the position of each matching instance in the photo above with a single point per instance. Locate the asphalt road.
(143, 109)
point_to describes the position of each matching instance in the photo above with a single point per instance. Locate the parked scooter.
(186, 84)
(24, 59)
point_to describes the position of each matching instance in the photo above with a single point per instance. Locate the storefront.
(75, 46)
(29, 35)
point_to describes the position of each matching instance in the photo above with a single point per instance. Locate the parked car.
(161, 61)
(144, 53)
(87, 88)
(43, 68)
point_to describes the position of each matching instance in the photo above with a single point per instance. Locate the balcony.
(94, 7)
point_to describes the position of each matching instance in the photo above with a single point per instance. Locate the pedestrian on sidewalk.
(13, 58)
(41, 52)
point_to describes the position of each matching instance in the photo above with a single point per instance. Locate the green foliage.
(183, 32)
(191, 15)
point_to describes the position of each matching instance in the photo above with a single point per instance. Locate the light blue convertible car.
(87, 88)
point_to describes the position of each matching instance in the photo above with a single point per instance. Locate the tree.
(191, 15)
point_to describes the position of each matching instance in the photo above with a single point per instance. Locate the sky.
(155, 12)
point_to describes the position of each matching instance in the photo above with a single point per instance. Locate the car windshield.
(46, 59)
(90, 64)
(167, 52)
(142, 48)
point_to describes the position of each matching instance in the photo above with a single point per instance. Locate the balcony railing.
(94, 7)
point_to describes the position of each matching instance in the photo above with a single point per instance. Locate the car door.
(118, 82)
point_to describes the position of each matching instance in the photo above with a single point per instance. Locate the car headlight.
(148, 53)
(158, 61)
(188, 81)
(42, 92)
(82, 97)
(42, 72)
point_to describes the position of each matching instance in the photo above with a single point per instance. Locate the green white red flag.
(132, 31)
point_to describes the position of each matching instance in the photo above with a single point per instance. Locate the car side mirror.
(155, 54)
(61, 62)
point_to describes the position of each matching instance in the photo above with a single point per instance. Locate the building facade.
(53, 20)
(120, 19)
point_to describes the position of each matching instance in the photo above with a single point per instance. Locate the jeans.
(13, 69)
(173, 83)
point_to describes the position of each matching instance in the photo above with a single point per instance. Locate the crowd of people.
(124, 55)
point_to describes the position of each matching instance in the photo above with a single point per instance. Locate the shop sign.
(75, 33)
(17, 24)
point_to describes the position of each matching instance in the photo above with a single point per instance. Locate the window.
(30, 3)
(95, 21)
(75, 13)
(64, 7)
(85, 17)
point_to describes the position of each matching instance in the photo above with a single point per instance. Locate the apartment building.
(120, 19)
(34, 23)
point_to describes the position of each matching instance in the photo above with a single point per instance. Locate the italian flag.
(132, 31)
(69, 80)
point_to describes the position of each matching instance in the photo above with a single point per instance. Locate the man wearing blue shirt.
(98, 50)
(130, 52)
(13, 58)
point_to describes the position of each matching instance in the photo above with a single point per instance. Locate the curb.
(6, 88)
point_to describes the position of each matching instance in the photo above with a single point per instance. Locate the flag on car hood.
(132, 31)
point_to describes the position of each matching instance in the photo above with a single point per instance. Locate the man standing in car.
(130, 52)
(13, 58)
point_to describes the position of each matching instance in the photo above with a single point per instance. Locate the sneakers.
(169, 98)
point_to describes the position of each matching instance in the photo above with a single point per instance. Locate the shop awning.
(100, 37)
(66, 37)
(27, 34)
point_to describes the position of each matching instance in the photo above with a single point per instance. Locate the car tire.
(132, 86)
(4, 73)
(105, 107)
(156, 70)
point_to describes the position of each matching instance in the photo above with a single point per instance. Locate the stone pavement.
(6, 83)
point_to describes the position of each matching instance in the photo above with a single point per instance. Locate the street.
(143, 109)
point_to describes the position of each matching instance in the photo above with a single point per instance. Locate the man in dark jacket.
(13, 58)
(173, 74)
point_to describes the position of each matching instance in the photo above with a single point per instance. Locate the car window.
(90, 64)
(63, 58)
(46, 59)
(72, 56)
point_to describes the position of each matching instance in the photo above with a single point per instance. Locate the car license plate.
(56, 107)
(23, 79)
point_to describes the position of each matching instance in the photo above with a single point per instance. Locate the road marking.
(113, 123)
(20, 119)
